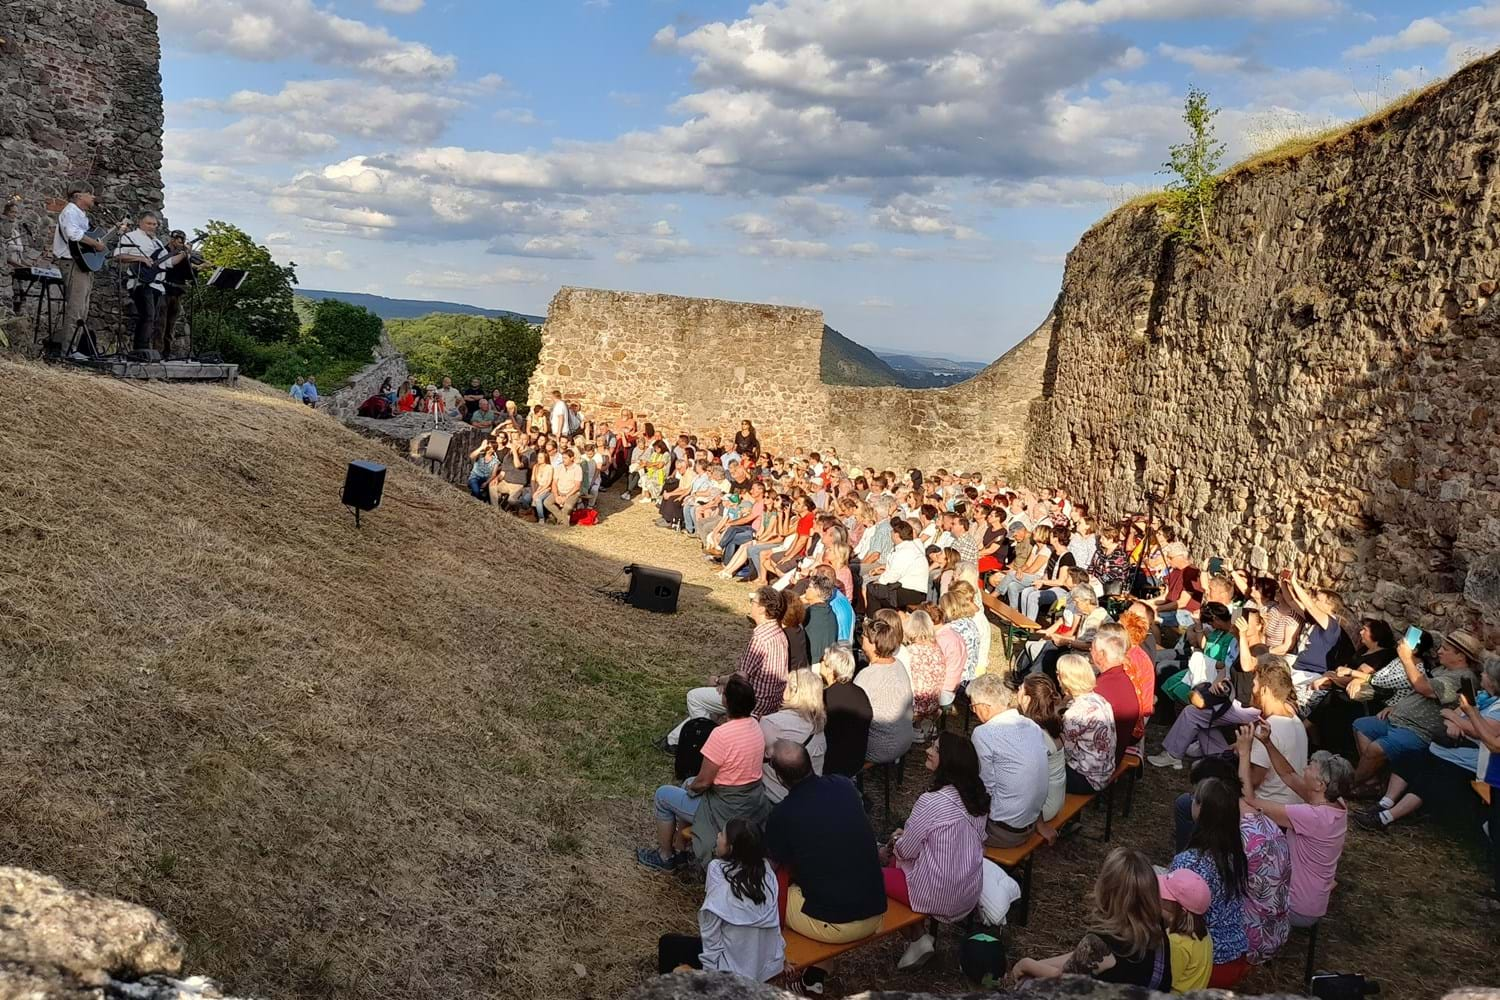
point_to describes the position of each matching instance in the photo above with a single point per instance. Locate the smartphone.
(1466, 688)
(1215, 565)
(1413, 636)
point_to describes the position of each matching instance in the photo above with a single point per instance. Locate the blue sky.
(917, 170)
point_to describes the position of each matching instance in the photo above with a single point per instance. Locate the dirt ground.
(1399, 914)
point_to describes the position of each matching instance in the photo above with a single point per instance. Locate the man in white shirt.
(78, 282)
(903, 581)
(146, 279)
(559, 415)
(1012, 762)
(451, 398)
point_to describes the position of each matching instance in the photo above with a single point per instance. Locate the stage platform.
(165, 371)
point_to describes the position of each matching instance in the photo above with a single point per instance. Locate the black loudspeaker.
(364, 484)
(436, 450)
(653, 589)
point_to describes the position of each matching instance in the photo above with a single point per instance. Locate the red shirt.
(1115, 686)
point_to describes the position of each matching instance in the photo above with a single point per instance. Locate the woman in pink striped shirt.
(935, 864)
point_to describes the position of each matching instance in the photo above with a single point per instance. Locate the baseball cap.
(1186, 889)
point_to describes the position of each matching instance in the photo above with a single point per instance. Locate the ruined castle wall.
(702, 365)
(1318, 388)
(80, 99)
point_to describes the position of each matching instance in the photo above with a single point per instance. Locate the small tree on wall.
(1194, 166)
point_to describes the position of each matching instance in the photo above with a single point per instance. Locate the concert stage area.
(166, 371)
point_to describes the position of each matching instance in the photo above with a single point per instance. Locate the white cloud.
(468, 280)
(658, 250)
(516, 116)
(1064, 192)
(752, 224)
(1422, 32)
(876, 302)
(802, 249)
(545, 247)
(249, 141)
(274, 30)
(1206, 60)
(346, 107)
(399, 6)
(909, 214)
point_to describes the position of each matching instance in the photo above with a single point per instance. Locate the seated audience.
(821, 624)
(1315, 826)
(847, 707)
(1114, 684)
(1216, 853)
(888, 686)
(763, 664)
(486, 462)
(1012, 762)
(1185, 901)
(801, 720)
(1088, 728)
(727, 785)
(924, 662)
(821, 838)
(1040, 701)
(902, 580)
(739, 927)
(1413, 720)
(1126, 940)
(933, 863)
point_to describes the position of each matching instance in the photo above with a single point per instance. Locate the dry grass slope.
(337, 760)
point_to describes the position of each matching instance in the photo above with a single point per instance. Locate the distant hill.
(922, 371)
(410, 308)
(847, 363)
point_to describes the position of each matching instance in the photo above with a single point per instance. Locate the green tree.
(502, 353)
(345, 331)
(263, 307)
(1194, 166)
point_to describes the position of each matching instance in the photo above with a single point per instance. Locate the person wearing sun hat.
(1185, 899)
(1413, 720)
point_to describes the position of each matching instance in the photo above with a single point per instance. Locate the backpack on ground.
(584, 515)
(695, 733)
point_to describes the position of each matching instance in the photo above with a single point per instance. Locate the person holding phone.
(1410, 723)
(1486, 731)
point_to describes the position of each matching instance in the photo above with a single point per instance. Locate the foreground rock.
(57, 942)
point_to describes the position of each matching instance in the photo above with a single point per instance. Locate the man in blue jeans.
(742, 529)
(485, 462)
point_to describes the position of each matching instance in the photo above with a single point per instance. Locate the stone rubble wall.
(80, 99)
(343, 402)
(1318, 389)
(702, 365)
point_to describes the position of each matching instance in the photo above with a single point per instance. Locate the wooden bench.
(802, 952)
(1018, 860)
(1014, 626)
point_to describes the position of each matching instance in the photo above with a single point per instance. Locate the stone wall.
(80, 99)
(702, 365)
(1318, 389)
(342, 402)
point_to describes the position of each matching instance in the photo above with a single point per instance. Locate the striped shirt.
(941, 850)
(763, 664)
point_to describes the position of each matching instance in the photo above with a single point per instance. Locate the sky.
(917, 169)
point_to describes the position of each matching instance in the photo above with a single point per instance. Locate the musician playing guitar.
(147, 279)
(78, 281)
(179, 278)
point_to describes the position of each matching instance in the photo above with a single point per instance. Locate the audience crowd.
(871, 594)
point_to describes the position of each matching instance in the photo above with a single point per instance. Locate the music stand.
(50, 293)
(224, 279)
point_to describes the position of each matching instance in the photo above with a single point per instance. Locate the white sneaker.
(625, 495)
(1165, 759)
(918, 953)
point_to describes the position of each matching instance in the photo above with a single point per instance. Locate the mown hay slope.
(400, 761)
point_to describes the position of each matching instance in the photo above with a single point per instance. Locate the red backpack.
(586, 516)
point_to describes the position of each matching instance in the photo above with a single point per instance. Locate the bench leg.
(1135, 775)
(1109, 811)
(1025, 900)
(1312, 952)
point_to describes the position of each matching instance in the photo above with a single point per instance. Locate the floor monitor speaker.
(653, 589)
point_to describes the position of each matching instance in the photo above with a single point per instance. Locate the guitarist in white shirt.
(78, 282)
(146, 281)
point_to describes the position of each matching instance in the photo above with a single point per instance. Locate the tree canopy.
(502, 353)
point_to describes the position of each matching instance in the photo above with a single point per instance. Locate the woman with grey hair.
(1315, 828)
(849, 714)
(801, 720)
